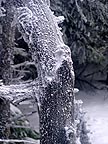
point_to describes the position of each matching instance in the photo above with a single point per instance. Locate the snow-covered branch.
(23, 64)
(19, 141)
(19, 92)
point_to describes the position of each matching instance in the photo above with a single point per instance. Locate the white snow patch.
(78, 141)
(97, 115)
(76, 90)
(59, 56)
(25, 102)
(49, 78)
(15, 110)
(59, 19)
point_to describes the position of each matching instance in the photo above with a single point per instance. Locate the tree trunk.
(4, 118)
(6, 36)
(57, 109)
(52, 57)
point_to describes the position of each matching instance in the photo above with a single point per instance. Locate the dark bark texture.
(4, 118)
(6, 39)
(57, 108)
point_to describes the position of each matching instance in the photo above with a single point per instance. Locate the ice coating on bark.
(39, 28)
(48, 42)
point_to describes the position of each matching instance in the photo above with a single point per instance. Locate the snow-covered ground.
(96, 107)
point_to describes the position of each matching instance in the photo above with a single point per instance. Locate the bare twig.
(87, 75)
(83, 80)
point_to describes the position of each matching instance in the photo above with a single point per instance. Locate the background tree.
(6, 40)
(85, 32)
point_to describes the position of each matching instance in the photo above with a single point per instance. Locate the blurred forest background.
(85, 31)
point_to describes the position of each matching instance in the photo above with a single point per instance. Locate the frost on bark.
(39, 28)
(4, 118)
(5, 61)
(6, 38)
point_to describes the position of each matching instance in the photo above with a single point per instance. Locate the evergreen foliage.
(85, 31)
(85, 28)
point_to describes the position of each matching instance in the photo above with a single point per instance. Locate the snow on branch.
(19, 141)
(18, 92)
(22, 64)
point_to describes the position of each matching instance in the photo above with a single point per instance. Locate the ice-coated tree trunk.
(39, 28)
(5, 62)
(4, 118)
(7, 42)
(57, 111)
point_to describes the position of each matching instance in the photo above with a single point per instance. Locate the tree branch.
(19, 92)
(85, 81)
(18, 141)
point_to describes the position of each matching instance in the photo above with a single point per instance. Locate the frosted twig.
(18, 92)
(18, 141)
(22, 64)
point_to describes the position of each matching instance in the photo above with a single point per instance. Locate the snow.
(76, 90)
(19, 141)
(15, 111)
(2, 10)
(59, 19)
(96, 107)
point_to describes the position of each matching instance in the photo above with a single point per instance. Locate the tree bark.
(6, 71)
(4, 118)
(57, 109)
(52, 57)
